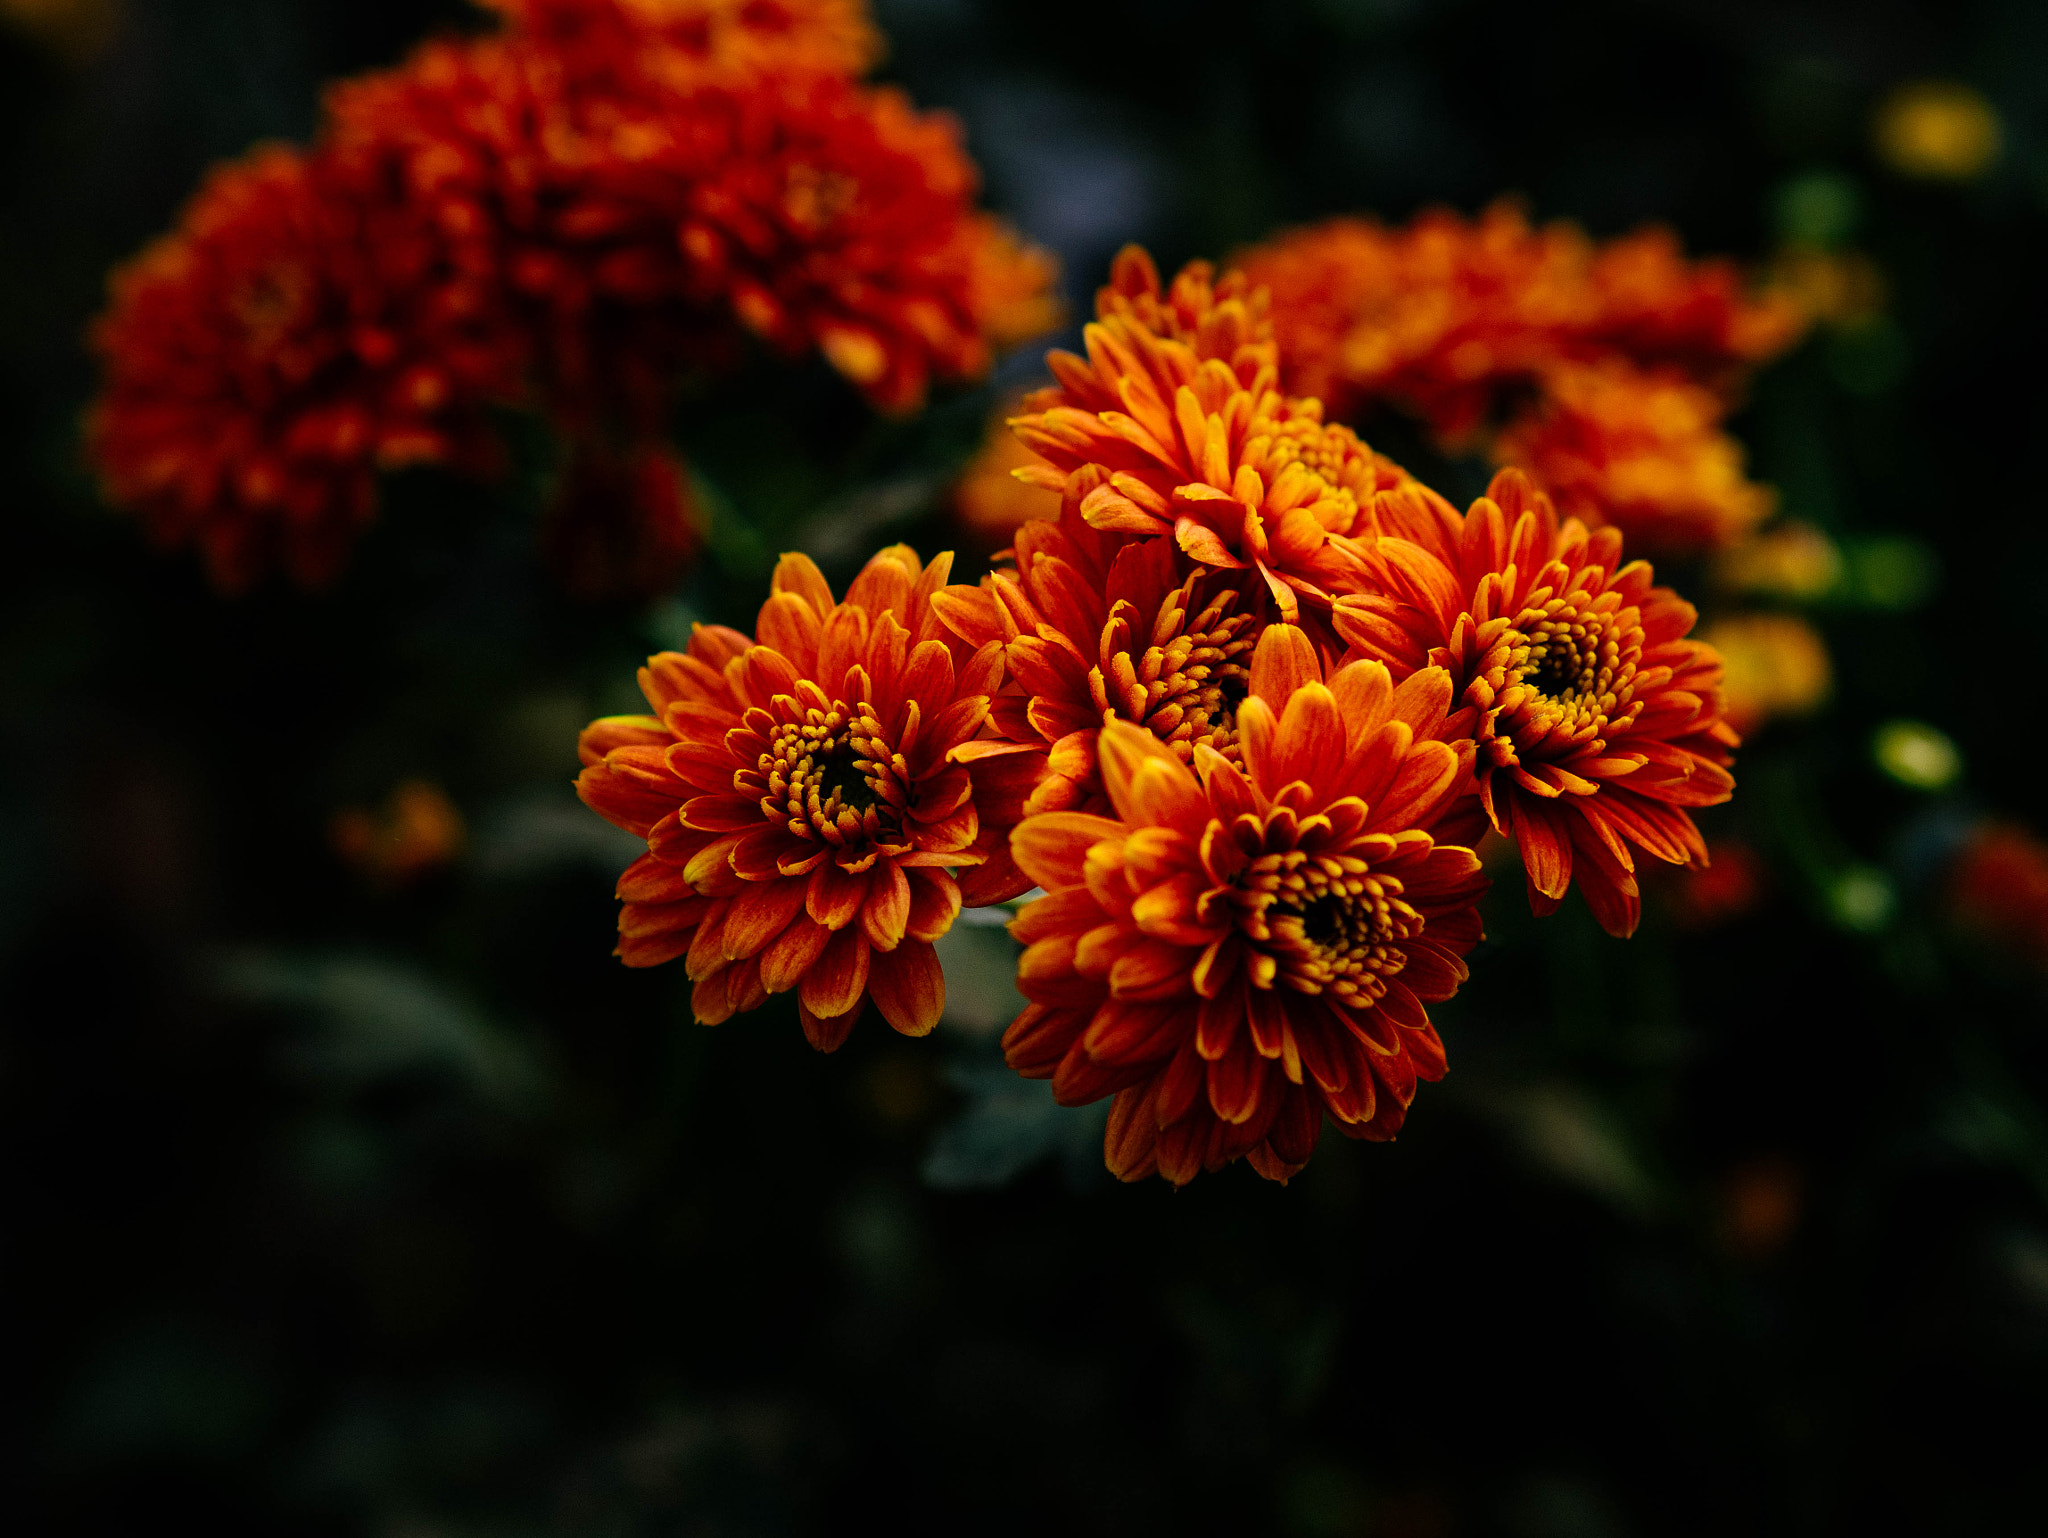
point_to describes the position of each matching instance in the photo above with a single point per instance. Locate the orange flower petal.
(908, 987)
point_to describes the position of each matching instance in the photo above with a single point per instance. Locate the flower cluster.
(1604, 371)
(567, 215)
(265, 362)
(1239, 712)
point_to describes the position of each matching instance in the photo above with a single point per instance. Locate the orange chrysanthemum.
(1241, 950)
(1644, 451)
(1437, 317)
(1099, 629)
(1654, 306)
(416, 833)
(297, 334)
(1173, 427)
(841, 218)
(1772, 665)
(1475, 325)
(808, 798)
(1598, 723)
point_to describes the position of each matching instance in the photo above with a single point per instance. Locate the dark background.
(332, 1206)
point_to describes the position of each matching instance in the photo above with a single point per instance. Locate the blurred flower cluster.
(1239, 712)
(1602, 370)
(570, 215)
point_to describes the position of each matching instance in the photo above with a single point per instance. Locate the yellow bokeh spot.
(856, 354)
(1775, 665)
(1794, 560)
(1916, 754)
(1836, 288)
(1938, 129)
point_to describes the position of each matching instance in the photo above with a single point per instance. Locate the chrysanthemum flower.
(560, 203)
(1437, 317)
(1940, 129)
(1447, 315)
(1099, 629)
(489, 223)
(1598, 723)
(808, 797)
(1791, 560)
(1173, 427)
(644, 230)
(1704, 896)
(298, 333)
(1654, 306)
(841, 218)
(1240, 950)
(417, 832)
(1603, 370)
(1643, 451)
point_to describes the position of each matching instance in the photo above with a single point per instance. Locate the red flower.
(559, 205)
(1241, 950)
(1703, 897)
(642, 228)
(297, 334)
(807, 800)
(1173, 427)
(1654, 306)
(1439, 317)
(1598, 723)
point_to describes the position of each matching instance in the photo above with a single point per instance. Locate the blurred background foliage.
(350, 1186)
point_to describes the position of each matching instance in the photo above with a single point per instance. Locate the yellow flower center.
(832, 776)
(1571, 671)
(1185, 686)
(1324, 923)
(1332, 453)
